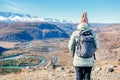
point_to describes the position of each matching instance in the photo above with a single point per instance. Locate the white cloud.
(13, 8)
(12, 5)
(12, 2)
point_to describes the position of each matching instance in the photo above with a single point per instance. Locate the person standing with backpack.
(82, 46)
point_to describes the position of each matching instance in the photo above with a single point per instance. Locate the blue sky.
(99, 11)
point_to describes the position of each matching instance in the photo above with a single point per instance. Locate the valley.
(106, 67)
(27, 48)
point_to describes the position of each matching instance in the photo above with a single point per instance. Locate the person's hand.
(84, 18)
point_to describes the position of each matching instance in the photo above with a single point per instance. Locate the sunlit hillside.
(107, 65)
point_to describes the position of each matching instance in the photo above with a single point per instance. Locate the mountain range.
(24, 27)
(22, 31)
(10, 16)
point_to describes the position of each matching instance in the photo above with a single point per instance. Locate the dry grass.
(8, 44)
(107, 57)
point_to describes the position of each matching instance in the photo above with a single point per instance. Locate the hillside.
(107, 65)
(109, 42)
(2, 50)
(22, 31)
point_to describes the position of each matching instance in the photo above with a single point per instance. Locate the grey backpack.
(85, 46)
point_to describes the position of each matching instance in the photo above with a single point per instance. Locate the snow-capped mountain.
(10, 16)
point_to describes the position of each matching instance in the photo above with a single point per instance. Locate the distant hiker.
(53, 62)
(82, 46)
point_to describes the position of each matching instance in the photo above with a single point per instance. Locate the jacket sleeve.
(96, 41)
(97, 44)
(72, 44)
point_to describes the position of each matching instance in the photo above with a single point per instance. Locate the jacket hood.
(83, 26)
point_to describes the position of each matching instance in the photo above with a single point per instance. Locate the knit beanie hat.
(83, 25)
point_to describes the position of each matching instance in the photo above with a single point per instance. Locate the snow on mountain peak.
(10, 16)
